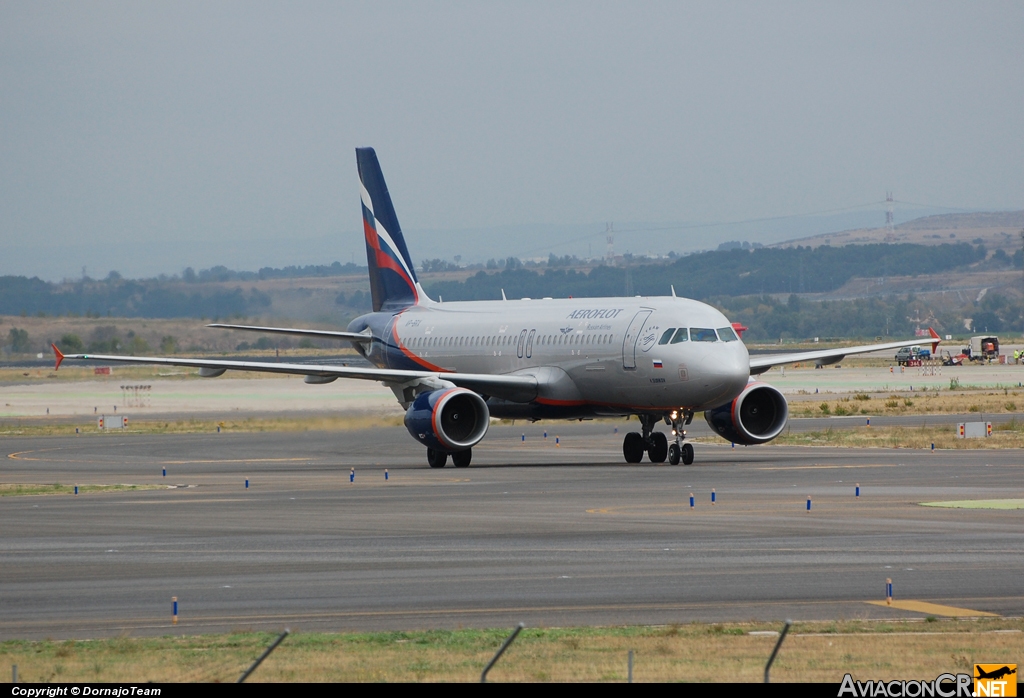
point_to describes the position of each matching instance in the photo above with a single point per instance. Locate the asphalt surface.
(535, 532)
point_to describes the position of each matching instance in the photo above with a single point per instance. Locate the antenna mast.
(890, 234)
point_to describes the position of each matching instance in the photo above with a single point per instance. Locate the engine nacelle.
(756, 416)
(449, 420)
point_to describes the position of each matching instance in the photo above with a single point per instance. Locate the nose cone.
(724, 372)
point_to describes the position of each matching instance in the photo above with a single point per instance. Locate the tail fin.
(393, 282)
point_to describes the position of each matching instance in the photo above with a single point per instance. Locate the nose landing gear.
(680, 451)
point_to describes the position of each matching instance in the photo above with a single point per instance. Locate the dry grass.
(72, 373)
(15, 490)
(1007, 435)
(192, 334)
(691, 652)
(1005, 400)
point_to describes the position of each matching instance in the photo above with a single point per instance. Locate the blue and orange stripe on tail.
(393, 282)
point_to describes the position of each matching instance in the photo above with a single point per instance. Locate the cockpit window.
(681, 336)
(726, 334)
(667, 335)
(703, 334)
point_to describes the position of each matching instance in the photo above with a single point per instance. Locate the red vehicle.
(953, 360)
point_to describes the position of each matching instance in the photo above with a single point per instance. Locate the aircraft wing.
(322, 334)
(513, 388)
(760, 364)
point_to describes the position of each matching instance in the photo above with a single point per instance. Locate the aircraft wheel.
(633, 447)
(659, 447)
(673, 454)
(436, 459)
(461, 458)
(687, 454)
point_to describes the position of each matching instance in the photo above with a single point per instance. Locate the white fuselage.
(611, 355)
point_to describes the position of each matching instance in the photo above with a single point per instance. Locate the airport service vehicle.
(914, 353)
(984, 348)
(951, 360)
(454, 366)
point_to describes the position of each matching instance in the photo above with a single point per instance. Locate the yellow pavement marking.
(831, 467)
(979, 504)
(235, 460)
(644, 509)
(20, 455)
(199, 621)
(933, 609)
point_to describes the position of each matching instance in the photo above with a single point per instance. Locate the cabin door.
(630, 340)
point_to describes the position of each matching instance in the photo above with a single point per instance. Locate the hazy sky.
(145, 137)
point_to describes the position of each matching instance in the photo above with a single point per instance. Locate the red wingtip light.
(60, 357)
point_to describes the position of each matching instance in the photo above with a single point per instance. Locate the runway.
(533, 532)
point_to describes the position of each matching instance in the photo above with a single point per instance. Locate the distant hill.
(953, 221)
(996, 230)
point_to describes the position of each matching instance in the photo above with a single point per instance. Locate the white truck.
(915, 353)
(984, 348)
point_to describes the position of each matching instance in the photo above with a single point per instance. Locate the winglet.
(935, 343)
(56, 353)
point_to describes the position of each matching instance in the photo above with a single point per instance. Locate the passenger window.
(681, 336)
(726, 334)
(667, 335)
(703, 334)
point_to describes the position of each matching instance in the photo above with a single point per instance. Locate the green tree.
(19, 340)
(72, 343)
(104, 339)
(168, 344)
(137, 346)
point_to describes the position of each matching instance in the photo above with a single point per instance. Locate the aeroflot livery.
(453, 366)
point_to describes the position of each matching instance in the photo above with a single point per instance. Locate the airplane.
(454, 366)
(995, 674)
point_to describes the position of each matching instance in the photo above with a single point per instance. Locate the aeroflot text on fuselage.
(605, 313)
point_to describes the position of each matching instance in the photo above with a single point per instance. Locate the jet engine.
(448, 420)
(757, 415)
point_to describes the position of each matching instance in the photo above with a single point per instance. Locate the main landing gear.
(438, 459)
(655, 443)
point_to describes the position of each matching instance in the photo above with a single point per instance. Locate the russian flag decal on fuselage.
(658, 364)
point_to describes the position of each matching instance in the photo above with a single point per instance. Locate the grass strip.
(817, 651)
(1009, 435)
(22, 489)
